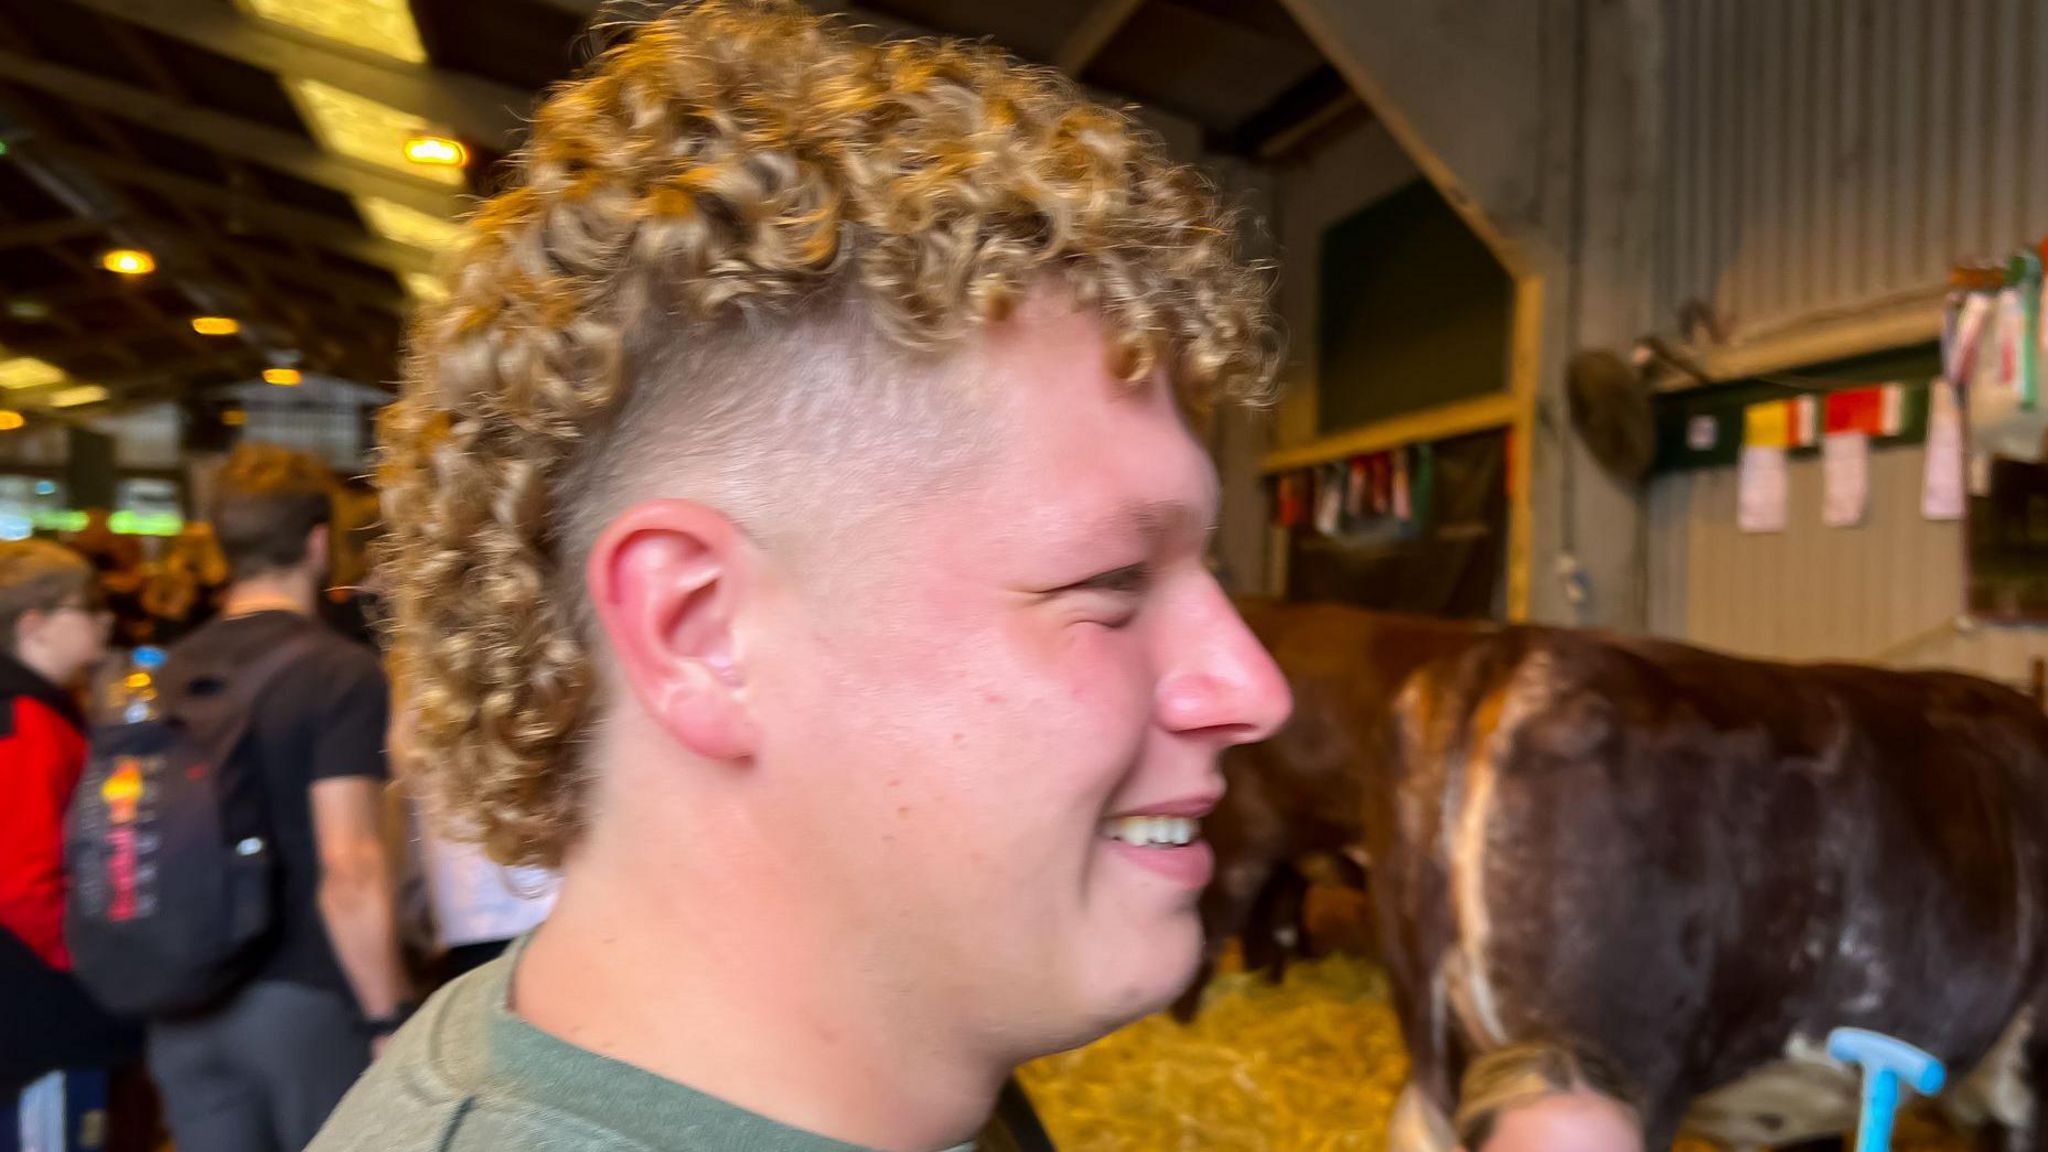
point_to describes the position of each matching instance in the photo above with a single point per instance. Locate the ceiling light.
(10, 420)
(234, 417)
(216, 325)
(382, 26)
(283, 377)
(128, 261)
(29, 372)
(362, 129)
(395, 221)
(74, 397)
(436, 151)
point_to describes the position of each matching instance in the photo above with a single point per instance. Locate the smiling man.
(797, 540)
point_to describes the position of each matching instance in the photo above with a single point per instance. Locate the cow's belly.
(1802, 1097)
(1805, 1096)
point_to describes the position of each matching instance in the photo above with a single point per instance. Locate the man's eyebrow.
(1157, 520)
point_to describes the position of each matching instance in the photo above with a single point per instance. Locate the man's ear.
(26, 627)
(318, 538)
(666, 578)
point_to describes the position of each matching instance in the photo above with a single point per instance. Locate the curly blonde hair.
(730, 187)
(1531, 1072)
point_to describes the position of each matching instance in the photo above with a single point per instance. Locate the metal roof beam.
(72, 347)
(480, 110)
(49, 232)
(316, 228)
(230, 135)
(1182, 132)
(340, 285)
(1098, 26)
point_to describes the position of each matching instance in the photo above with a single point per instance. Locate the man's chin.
(1155, 978)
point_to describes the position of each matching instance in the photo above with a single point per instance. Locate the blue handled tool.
(1886, 1063)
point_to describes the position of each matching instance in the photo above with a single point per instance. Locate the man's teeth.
(1146, 831)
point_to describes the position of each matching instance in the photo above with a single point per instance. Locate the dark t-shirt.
(322, 717)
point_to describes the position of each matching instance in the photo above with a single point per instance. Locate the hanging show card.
(1760, 490)
(1845, 479)
(1941, 488)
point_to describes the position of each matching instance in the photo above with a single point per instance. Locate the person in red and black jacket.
(53, 628)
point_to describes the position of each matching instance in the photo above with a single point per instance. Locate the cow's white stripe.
(1472, 990)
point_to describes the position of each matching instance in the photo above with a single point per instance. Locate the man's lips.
(1187, 807)
(1165, 837)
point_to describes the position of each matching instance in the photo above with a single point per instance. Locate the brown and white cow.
(1702, 865)
(1300, 796)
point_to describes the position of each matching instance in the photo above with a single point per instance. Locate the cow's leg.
(1189, 1005)
(1419, 1124)
(2016, 1089)
(2033, 1135)
(1275, 932)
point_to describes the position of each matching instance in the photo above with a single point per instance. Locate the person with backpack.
(53, 629)
(290, 720)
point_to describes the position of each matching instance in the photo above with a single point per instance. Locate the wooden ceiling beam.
(198, 291)
(80, 292)
(341, 285)
(82, 344)
(272, 316)
(44, 232)
(1097, 27)
(316, 228)
(85, 197)
(472, 107)
(1287, 140)
(229, 135)
(232, 358)
(1181, 131)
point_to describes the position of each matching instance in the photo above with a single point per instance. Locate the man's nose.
(1224, 682)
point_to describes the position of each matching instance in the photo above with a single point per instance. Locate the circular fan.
(1610, 409)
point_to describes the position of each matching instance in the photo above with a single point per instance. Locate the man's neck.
(750, 1009)
(290, 591)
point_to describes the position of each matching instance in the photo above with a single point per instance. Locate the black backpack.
(168, 844)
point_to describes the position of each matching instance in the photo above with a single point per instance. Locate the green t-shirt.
(466, 1075)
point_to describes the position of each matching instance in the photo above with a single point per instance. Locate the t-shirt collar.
(629, 1100)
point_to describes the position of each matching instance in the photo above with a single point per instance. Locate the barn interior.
(1712, 323)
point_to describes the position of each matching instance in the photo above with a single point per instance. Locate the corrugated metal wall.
(1887, 591)
(1827, 153)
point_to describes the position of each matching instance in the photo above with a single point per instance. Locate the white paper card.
(1760, 490)
(1941, 487)
(1702, 433)
(1845, 479)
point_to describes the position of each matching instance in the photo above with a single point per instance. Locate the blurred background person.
(186, 585)
(460, 909)
(53, 629)
(353, 605)
(119, 562)
(260, 1072)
